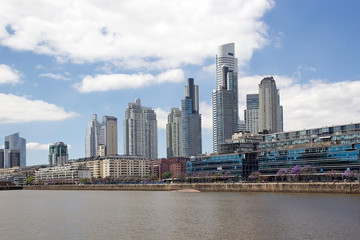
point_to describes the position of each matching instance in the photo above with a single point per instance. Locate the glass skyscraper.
(15, 151)
(225, 96)
(58, 154)
(191, 121)
(174, 134)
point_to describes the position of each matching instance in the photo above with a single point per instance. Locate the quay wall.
(344, 188)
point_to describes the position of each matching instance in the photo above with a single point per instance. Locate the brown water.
(174, 215)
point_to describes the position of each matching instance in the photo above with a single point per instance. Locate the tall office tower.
(92, 137)
(173, 134)
(270, 111)
(225, 97)
(280, 115)
(1, 158)
(140, 131)
(108, 135)
(15, 151)
(58, 154)
(191, 121)
(251, 113)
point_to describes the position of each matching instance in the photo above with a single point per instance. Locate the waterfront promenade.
(343, 187)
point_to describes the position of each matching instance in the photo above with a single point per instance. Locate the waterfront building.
(92, 137)
(270, 110)
(65, 174)
(225, 96)
(237, 164)
(140, 131)
(191, 121)
(173, 134)
(1, 158)
(251, 113)
(15, 151)
(241, 126)
(176, 166)
(58, 154)
(115, 166)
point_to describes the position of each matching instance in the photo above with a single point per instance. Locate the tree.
(295, 172)
(29, 180)
(166, 175)
(350, 175)
(333, 174)
(254, 176)
(283, 173)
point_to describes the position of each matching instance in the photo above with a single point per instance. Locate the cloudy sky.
(62, 61)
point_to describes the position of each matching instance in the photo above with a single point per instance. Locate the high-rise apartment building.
(191, 121)
(58, 154)
(101, 137)
(92, 137)
(108, 135)
(251, 113)
(15, 151)
(225, 96)
(140, 131)
(173, 134)
(270, 111)
(1, 158)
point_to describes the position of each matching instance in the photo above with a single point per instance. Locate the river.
(26, 214)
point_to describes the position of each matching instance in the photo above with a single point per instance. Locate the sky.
(62, 61)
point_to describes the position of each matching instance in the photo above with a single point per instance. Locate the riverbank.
(344, 188)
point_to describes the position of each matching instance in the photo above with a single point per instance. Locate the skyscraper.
(225, 97)
(101, 138)
(108, 135)
(1, 158)
(58, 154)
(173, 134)
(251, 113)
(140, 131)
(92, 137)
(15, 151)
(191, 121)
(270, 111)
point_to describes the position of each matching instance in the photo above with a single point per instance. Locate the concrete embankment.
(347, 188)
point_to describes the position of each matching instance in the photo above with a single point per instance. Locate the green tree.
(166, 175)
(29, 180)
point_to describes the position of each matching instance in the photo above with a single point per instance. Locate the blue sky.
(62, 61)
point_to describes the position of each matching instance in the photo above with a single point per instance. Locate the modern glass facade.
(58, 154)
(14, 143)
(225, 96)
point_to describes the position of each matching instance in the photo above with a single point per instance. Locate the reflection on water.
(175, 215)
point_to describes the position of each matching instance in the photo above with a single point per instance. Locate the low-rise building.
(66, 174)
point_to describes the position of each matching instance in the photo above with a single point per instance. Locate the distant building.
(191, 121)
(103, 134)
(176, 166)
(58, 154)
(140, 131)
(1, 158)
(174, 134)
(108, 135)
(251, 113)
(92, 137)
(116, 166)
(65, 174)
(270, 111)
(225, 96)
(15, 151)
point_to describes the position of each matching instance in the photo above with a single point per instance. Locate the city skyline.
(50, 85)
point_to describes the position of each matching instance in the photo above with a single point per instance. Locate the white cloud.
(34, 146)
(8, 75)
(15, 109)
(107, 82)
(54, 76)
(154, 34)
(161, 117)
(310, 105)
